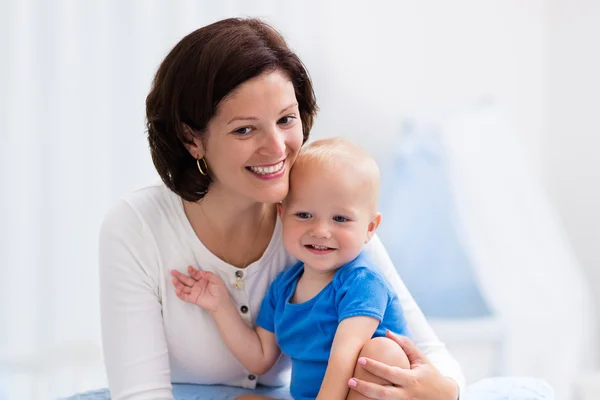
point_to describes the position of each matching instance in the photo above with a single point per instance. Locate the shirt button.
(252, 377)
(239, 274)
(244, 310)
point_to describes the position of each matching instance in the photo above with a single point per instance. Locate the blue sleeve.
(362, 292)
(266, 314)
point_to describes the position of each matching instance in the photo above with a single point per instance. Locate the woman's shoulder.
(140, 229)
(142, 206)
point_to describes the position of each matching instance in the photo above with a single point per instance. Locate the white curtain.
(523, 258)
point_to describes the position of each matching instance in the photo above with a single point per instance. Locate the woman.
(229, 109)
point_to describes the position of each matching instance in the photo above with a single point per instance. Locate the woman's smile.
(269, 171)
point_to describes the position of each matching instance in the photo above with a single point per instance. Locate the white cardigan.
(151, 338)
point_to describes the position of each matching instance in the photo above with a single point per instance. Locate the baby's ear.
(373, 225)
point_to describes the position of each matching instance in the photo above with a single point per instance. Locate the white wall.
(573, 142)
(391, 60)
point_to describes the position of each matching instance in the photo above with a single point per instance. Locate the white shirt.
(152, 338)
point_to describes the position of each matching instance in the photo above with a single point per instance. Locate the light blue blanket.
(486, 389)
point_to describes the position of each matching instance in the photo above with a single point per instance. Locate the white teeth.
(314, 246)
(267, 170)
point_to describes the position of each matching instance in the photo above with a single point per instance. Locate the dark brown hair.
(197, 74)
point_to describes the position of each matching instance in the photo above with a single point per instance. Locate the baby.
(333, 305)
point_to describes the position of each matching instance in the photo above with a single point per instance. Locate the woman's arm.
(350, 337)
(423, 335)
(133, 338)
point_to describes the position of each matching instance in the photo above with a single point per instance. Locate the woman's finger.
(186, 280)
(375, 391)
(392, 374)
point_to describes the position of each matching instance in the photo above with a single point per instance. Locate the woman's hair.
(197, 74)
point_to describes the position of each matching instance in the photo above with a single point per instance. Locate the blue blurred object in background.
(421, 231)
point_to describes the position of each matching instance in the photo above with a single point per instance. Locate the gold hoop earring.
(205, 171)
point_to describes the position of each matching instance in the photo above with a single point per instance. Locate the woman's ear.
(193, 143)
(373, 225)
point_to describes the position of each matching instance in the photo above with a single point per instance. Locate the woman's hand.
(421, 382)
(202, 288)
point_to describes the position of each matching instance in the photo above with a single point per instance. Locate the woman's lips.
(268, 172)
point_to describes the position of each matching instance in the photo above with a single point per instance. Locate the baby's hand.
(202, 288)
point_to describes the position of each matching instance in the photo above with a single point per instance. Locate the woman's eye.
(243, 131)
(339, 218)
(303, 215)
(286, 120)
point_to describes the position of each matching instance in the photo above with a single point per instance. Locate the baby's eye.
(303, 215)
(339, 218)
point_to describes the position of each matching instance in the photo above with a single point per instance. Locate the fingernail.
(362, 361)
(352, 383)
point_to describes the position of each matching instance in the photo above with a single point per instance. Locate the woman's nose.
(274, 143)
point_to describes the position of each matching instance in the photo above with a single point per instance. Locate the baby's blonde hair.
(342, 154)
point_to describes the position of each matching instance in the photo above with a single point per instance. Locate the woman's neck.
(236, 231)
(231, 217)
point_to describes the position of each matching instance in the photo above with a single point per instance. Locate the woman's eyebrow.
(288, 107)
(240, 118)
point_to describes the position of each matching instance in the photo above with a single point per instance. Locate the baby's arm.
(257, 350)
(350, 336)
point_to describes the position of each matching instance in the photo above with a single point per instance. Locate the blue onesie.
(305, 331)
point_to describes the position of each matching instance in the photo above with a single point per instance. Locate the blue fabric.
(198, 392)
(486, 389)
(305, 331)
(421, 230)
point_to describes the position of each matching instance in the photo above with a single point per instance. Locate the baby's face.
(327, 217)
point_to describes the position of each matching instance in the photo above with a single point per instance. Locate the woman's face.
(254, 139)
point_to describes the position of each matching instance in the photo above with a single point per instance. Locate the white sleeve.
(133, 338)
(423, 335)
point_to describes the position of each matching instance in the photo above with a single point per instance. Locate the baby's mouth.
(316, 247)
